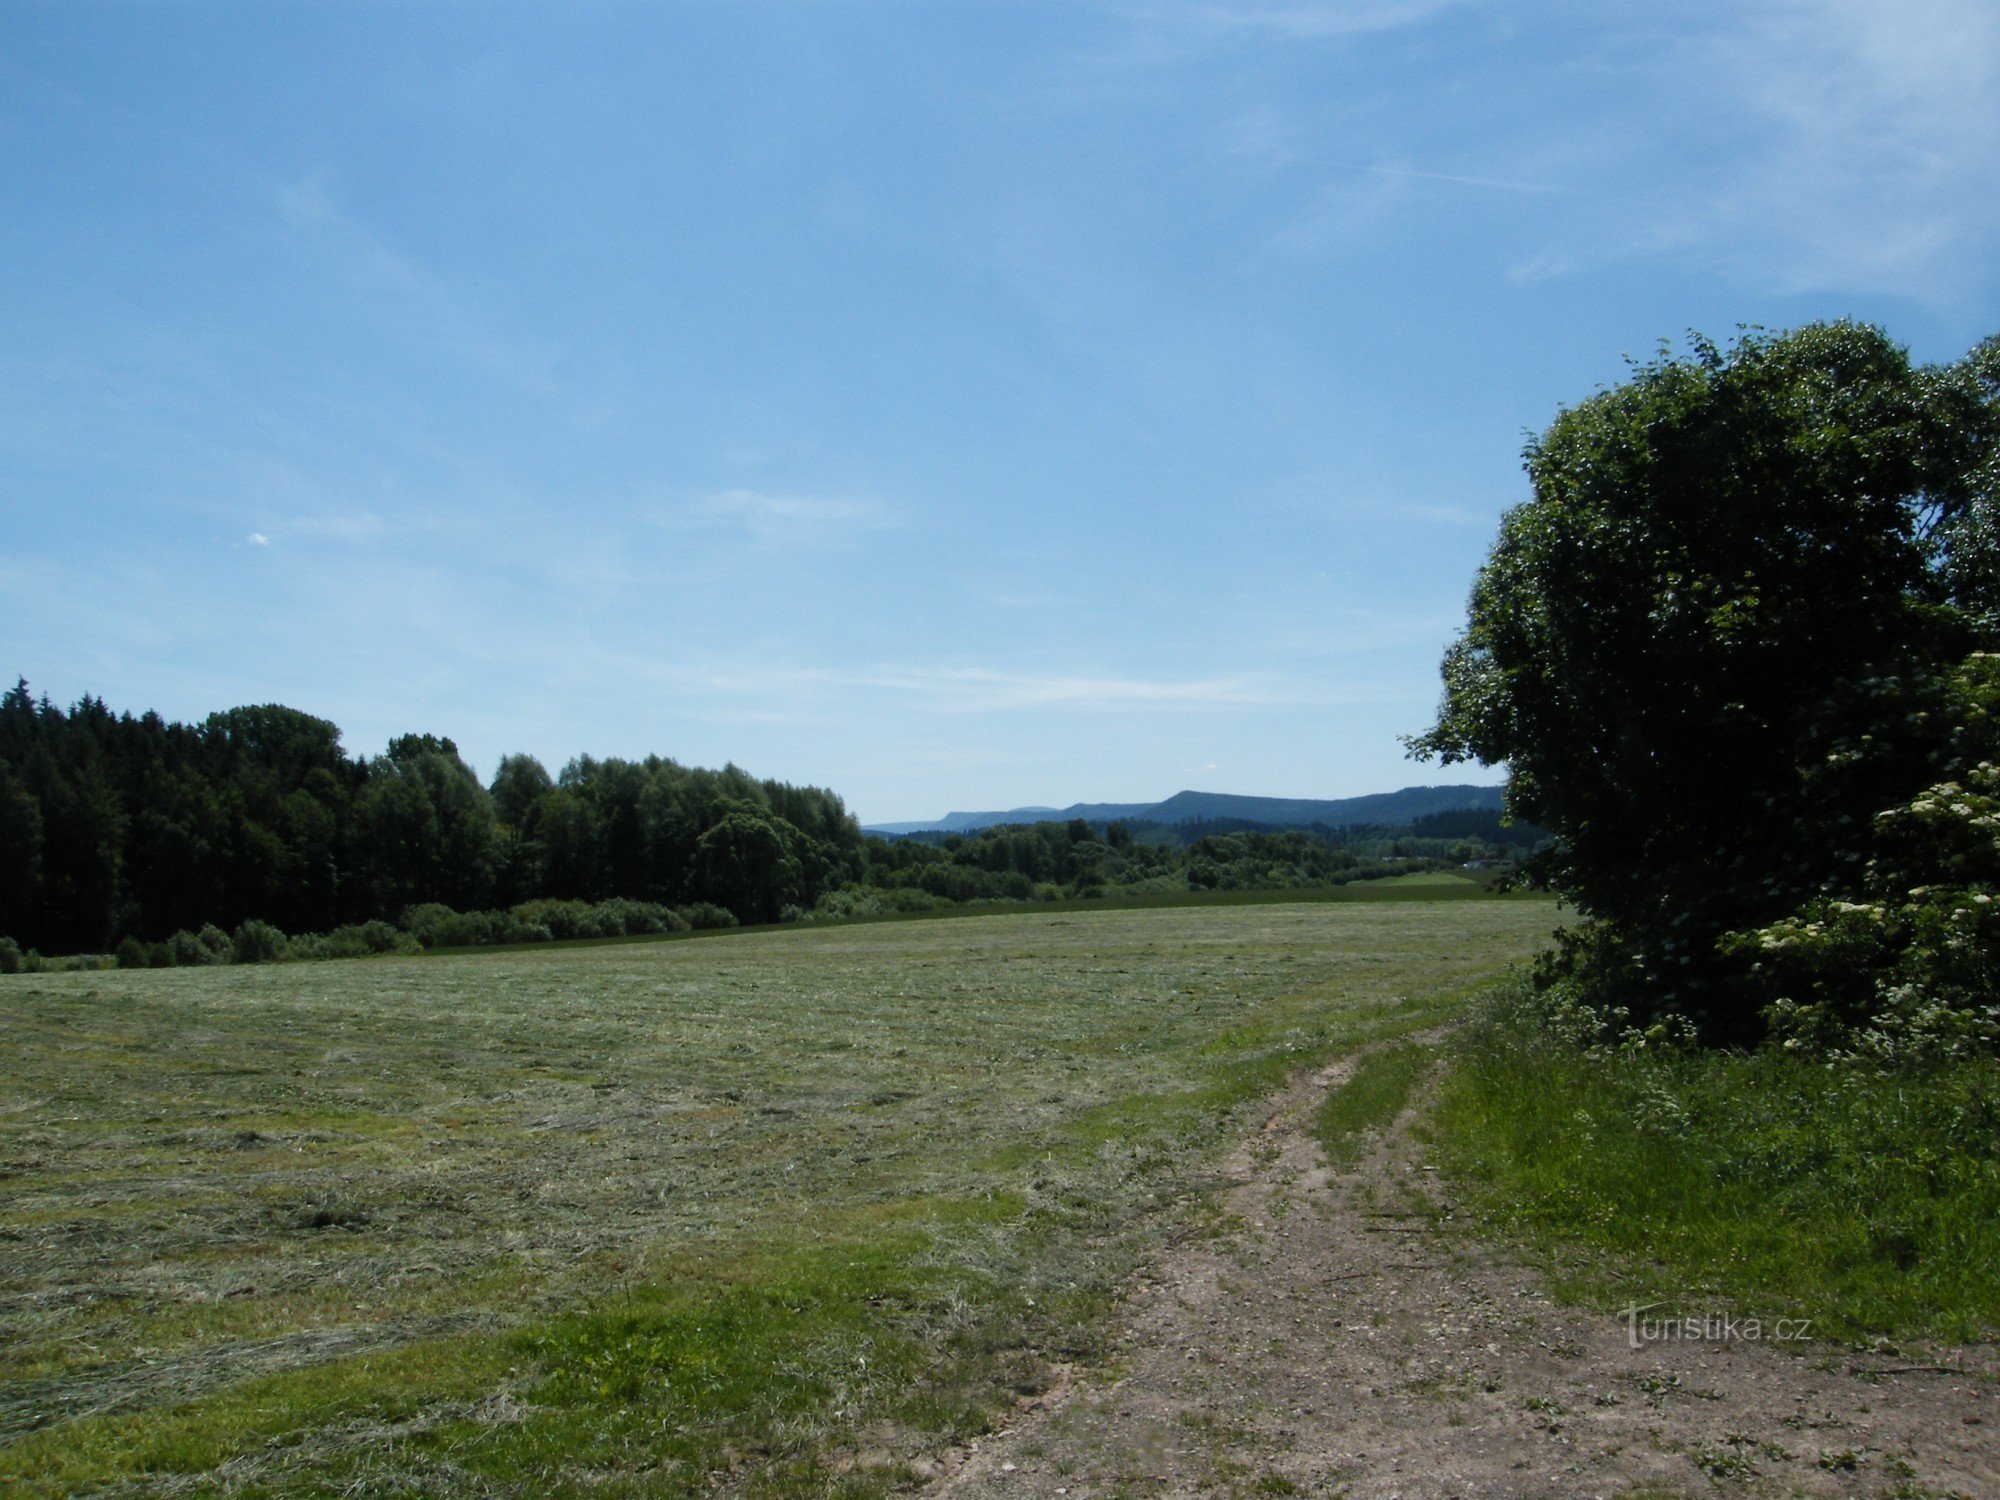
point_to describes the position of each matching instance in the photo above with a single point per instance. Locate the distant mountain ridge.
(1393, 808)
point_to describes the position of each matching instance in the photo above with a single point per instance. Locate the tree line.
(254, 834)
(116, 826)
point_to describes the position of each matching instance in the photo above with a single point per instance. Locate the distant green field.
(1422, 885)
(771, 1210)
(1446, 880)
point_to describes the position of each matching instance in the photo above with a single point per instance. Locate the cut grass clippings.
(775, 1212)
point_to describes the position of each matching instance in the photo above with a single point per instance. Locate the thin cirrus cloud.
(1464, 179)
(978, 689)
(358, 530)
(1793, 146)
(1879, 165)
(983, 688)
(1301, 20)
(429, 308)
(354, 530)
(310, 211)
(777, 517)
(1816, 146)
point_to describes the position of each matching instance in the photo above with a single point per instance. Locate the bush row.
(422, 927)
(434, 925)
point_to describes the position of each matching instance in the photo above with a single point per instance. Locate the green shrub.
(637, 918)
(73, 963)
(379, 937)
(465, 929)
(11, 961)
(564, 920)
(421, 922)
(706, 914)
(186, 950)
(216, 943)
(257, 942)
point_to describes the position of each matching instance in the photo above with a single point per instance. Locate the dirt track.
(1333, 1336)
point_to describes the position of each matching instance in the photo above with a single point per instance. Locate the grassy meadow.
(1867, 1200)
(776, 1211)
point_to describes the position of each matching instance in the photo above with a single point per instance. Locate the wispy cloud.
(354, 530)
(1814, 146)
(960, 689)
(1463, 179)
(797, 518)
(1548, 265)
(1795, 146)
(426, 304)
(1874, 160)
(307, 208)
(1302, 20)
(984, 688)
(1355, 203)
(980, 689)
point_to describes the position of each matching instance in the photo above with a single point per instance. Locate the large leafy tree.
(427, 826)
(1716, 643)
(749, 861)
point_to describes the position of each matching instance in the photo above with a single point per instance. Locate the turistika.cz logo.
(1707, 1328)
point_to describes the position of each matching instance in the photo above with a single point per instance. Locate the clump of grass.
(1370, 1099)
(1868, 1201)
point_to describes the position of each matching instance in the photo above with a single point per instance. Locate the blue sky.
(955, 404)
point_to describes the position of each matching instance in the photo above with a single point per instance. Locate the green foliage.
(167, 830)
(11, 961)
(1715, 646)
(567, 920)
(1863, 1197)
(114, 826)
(706, 916)
(749, 862)
(68, 963)
(858, 901)
(257, 943)
(215, 943)
(359, 940)
(1905, 960)
(1055, 861)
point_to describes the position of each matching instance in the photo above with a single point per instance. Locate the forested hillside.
(1395, 809)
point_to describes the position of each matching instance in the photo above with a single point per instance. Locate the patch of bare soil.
(1336, 1333)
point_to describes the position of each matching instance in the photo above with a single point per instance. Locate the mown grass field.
(777, 1212)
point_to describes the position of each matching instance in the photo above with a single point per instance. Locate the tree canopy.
(1723, 640)
(114, 826)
